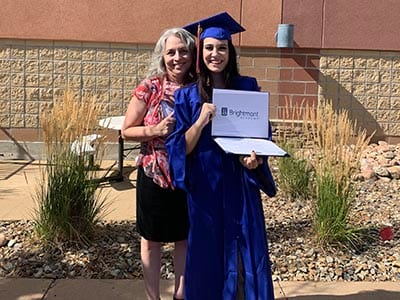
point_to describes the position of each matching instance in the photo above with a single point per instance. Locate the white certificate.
(244, 146)
(241, 123)
(240, 113)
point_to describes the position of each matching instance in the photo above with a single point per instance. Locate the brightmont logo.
(240, 114)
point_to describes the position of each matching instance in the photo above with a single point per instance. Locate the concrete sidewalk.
(18, 181)
(93, 289)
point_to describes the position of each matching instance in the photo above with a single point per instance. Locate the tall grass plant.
(68, 204)
(337, 149)
(295, 173)
(324, 159)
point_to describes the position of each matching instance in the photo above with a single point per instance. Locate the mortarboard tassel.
(198, 49)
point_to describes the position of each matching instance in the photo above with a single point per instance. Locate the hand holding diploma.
(207, 113)
(250, 162)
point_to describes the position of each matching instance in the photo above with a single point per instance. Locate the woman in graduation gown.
(227, 255)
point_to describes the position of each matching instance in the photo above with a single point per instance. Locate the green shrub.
(331, 143)
(337, 149)
(294, 175)
(69, 206)
(332, 209)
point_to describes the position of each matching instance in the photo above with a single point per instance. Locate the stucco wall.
(344, 24)
(102, 47)
(124, 21)
(326, 24)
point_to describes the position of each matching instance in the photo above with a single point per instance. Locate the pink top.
(153, 154)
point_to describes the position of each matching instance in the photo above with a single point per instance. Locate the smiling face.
(177, 59)
(215, 54)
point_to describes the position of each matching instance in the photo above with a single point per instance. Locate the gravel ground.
(114, 253)
(294, 254)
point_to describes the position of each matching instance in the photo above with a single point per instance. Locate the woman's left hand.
(251, 162)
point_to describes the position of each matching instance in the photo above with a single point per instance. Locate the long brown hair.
(204, 79)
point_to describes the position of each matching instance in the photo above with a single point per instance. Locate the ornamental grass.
(327, 150)
(69, 205)
(338, 146)
(295, 174)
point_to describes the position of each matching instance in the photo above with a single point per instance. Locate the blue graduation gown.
(225, 209)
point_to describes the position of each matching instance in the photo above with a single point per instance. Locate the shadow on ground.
(9, 168)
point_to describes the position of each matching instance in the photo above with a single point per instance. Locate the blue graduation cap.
(220, 26)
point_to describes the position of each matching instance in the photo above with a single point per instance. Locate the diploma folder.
(241, 125)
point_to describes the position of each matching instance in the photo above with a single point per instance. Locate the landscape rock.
(381, 161)
(3, 239)
(114, 252)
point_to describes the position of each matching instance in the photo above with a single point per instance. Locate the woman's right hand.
(207, 113)
(166, 126)
(192, 135)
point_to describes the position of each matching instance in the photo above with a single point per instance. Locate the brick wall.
(264, 65)
(367, 83)
(291, 76)
(33, 73)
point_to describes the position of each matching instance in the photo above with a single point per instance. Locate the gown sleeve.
(264, 179)
(176, 143)
(261, 175)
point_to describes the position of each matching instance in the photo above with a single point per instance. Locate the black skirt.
(161, 214)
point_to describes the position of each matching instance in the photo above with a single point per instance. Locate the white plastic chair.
(85, 146)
